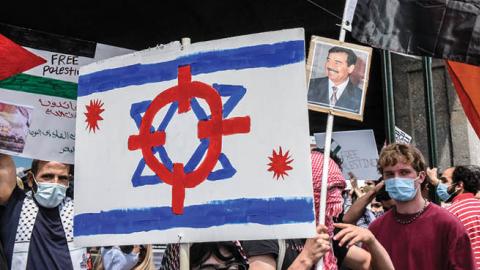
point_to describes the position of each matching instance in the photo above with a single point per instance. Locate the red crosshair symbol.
(213, 129)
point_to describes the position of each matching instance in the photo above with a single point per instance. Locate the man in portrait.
(337, 89)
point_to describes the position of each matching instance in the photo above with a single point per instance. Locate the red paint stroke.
(230, 126)
(93, 114)
(184, 95)
(213, 129)
(14, 59)
(151, 139)
(279, 164)
(178, 188)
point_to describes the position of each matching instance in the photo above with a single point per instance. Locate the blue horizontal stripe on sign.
(268, 211)
(269, 56)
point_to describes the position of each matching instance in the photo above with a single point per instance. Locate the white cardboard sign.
(176, 144)
(50, 89)
(358, 151)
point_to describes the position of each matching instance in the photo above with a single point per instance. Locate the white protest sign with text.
(401, 136)
(358, 151)
(51, 90)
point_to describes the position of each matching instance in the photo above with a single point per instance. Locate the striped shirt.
(467, 208)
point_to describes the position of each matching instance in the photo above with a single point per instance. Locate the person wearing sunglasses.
(217, 256)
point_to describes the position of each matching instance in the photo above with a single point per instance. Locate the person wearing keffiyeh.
(263, 254)
(335, 185)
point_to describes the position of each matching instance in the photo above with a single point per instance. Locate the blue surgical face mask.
(49, 195)
(446, 193)
(401, 189)
(442, 192)
(114, 259)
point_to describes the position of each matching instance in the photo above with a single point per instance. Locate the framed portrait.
(337, 77)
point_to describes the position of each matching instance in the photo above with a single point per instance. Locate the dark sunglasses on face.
(230, 266)
(125, 249)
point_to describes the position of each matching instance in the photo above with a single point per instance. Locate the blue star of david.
(235, 94)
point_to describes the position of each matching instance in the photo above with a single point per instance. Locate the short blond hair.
(399, 152)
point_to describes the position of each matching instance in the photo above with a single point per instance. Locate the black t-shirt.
(293, 247)
(3, 259)
(9, 217)
(48, 244)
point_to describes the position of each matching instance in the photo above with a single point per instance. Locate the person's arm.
(432, 176)
(262, 262)
(313, 250)
(357, 259)
(357, 209)
(350, 235)
(8, 178)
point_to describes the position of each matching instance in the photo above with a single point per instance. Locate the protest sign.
(204, 143)
(338, 75)
(40, 71)
(401, 136)
(358, 151)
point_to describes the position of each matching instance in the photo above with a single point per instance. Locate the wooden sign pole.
(328, 142)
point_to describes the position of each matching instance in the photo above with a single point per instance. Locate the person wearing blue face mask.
(459, 185)
(443, 184)
(36, 228)
(414, 225)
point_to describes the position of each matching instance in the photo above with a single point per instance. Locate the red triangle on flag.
(14, 59)
(466, 79)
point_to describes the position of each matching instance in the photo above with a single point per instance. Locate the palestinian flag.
(14, 59)
(24, 65)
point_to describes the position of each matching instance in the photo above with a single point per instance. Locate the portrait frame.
(351, 101)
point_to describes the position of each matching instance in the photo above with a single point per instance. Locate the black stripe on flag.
(48, 42)
(447, 29)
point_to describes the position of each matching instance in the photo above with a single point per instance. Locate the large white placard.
(50, 89)
(358, 151)
(201, 143)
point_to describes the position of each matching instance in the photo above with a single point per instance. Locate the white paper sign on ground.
(51, 90)
(207, 143)
(358, 151)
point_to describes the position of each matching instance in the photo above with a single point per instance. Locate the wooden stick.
(328, 141)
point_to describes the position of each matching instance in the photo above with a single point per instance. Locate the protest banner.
(201, 143)
(40, 71)
(358, 151)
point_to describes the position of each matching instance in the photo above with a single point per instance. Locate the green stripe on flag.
(40, 85)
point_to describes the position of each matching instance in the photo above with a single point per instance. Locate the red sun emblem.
(94, 109)
(279, 164)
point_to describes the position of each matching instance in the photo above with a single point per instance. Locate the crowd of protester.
(394, 222)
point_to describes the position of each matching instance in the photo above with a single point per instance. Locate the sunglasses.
(230, 266)
(125, 249)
